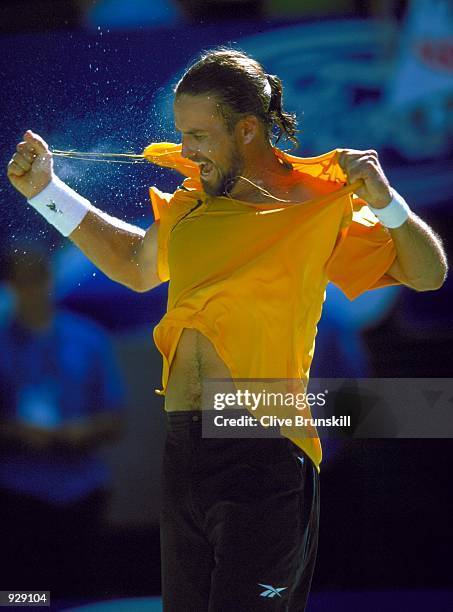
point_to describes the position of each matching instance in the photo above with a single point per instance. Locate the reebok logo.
(271, 591)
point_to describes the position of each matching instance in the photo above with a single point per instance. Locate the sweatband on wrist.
(395, 213)
(61, 206)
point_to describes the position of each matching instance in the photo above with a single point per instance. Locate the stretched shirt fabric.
(252, 277)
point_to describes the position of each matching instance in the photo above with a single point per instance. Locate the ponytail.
(286, 122)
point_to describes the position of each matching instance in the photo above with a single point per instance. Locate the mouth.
(206, 170)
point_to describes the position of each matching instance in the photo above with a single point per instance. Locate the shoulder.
(324, 166)
(168, 208)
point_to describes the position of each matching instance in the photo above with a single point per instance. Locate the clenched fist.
(31, 167)
(365, 165)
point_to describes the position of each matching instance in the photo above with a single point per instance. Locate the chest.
(226, 238)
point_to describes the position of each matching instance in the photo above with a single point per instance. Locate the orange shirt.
(252, 277)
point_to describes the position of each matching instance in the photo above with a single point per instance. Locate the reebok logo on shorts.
(271, 591)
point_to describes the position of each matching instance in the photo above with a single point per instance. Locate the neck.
(262, 170)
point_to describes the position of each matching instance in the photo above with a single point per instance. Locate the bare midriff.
(196, 358)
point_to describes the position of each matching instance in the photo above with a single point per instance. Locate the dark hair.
(242, 87)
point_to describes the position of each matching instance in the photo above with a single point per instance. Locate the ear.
(247, 129)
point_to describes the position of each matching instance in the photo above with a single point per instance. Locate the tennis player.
(248, 242)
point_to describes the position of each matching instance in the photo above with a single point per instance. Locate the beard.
(224, 179)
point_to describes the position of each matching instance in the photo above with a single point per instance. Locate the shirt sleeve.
(162, 209)
(168, 210)
(363, 253)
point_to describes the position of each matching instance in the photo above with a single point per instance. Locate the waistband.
(187, 424)
(179, 420)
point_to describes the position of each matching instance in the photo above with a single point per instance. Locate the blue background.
(92, 89)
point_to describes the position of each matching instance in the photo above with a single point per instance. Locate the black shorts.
(239, 521)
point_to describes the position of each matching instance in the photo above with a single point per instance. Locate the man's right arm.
(124, 252)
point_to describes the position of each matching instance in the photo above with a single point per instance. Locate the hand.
(87, 435)
(365, 165)
(72, 434)
(31, 167)
(35, 438)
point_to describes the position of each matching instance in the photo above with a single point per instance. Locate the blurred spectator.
(60, 399)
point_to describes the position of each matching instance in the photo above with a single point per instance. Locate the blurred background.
(98, 76)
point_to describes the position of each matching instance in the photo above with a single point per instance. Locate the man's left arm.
(420, 261)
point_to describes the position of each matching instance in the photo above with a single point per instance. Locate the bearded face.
(207, 141)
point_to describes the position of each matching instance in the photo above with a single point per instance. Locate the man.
(60, 400)
(248, 242)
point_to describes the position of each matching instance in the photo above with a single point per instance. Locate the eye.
(199, 137)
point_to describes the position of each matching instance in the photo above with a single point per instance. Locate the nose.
(186, 150)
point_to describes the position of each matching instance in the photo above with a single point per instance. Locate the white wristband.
(395, 213)
(61, 206)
